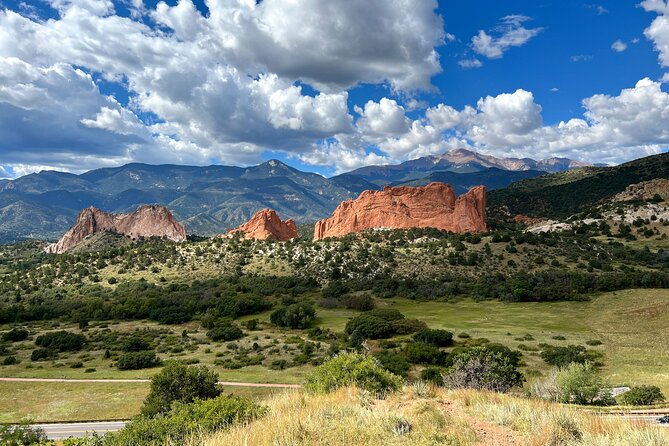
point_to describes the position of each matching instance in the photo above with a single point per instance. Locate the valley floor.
(632, 326)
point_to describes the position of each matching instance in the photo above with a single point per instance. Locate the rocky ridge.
(266, 224)
(646, 190)
(431, 206)
(145, 221)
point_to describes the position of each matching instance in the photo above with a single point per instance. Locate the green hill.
(562, 194)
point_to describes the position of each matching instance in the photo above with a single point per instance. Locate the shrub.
(22, 434)
(10, 360)
(563, 356)
(406, 326)
(420, 353)
(42, 354)
(594, 342)
(483, 368)
(186, 420)
(135, 343)
(367, 326)
(15, 335)
(388, 314)
(393, 362)
(362, 302)
(581, 384)
(299, 315)
(352, 369)
(642, 396)
(137, 360)
(179, 382)
(433, 375)
(224, 331)
(440, 338)
(62, 341)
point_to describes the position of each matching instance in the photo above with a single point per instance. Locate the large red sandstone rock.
(145, 221)
(431, 206)
(266, 224)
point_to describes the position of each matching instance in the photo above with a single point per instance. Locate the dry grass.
(427, 416)
(348, 417)
(556, 425)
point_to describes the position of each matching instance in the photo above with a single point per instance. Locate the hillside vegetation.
(559, 195)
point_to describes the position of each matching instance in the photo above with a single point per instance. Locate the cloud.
(225, 86)
(618, 46)
(599, 9)
(613, 129)
(470, 63)
(41, 115)
(382, 118)
(581, 58)
(4, 174)
(509, 33)
(658, 31)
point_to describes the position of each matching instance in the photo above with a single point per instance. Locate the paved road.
(73, 380)
(59, 431)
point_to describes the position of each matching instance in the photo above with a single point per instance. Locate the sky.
(328, 86)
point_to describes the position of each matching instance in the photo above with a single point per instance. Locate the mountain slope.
(562, 194)
(492, 178)
(207, 199)
(459, 161)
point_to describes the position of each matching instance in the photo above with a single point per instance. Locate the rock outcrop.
(145, 221)
(431, 206)
(266, 224)
(646, 190)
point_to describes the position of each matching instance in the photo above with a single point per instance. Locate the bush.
(299, 315)
(15, 335)
(563, 356)
(352, 369)
(187, 420)
(393, 362)
(433, 375)
(42, 354)
(440, 338)
(642, 396)
(581, 384)
(420, 353)
(135, 343)
(406, 326)
(362, 302)
(224, 331)
(137, 360)
(62, 341)
(482, 368)
(179, 382)
(367, 326)
(22, 434)
(10, 360)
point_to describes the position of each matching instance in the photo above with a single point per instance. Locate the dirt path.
(83, 381)
(487, 434)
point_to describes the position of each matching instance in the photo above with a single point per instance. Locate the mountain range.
(211, 199)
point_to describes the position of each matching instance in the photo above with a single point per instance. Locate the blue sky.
(328, 87)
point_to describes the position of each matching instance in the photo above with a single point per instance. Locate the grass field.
(632, 325)
(47, 402)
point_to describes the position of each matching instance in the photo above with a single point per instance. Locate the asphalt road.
(59, 431)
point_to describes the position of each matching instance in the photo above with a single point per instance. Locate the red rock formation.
(266, 224)
(431, 206)
(145, 221)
